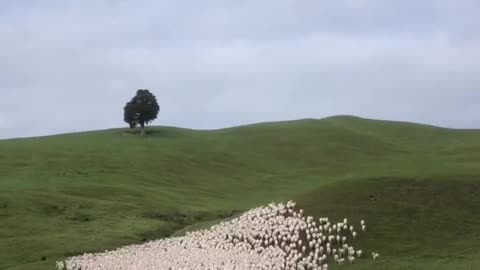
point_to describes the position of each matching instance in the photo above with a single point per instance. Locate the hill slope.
(67, 194)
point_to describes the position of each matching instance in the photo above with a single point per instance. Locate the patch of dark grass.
(81, 217)
(4, 204)
(172, 216)
(85, 205)
(54, 210)
(83, 173)
(165, 132)
(185, 219)
(213, 215)
(163, 231)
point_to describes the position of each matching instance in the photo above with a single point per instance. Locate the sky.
(69, 66)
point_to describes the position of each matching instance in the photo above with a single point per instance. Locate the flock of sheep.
(273, 237)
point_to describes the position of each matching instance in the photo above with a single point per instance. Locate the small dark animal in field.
(372, 198)
(44, 258)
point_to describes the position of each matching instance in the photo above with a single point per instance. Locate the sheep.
(60, 265)
(359, 253)
(375, 256)
(351, 259)
(276, 236)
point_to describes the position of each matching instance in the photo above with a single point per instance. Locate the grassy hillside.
(68, 194)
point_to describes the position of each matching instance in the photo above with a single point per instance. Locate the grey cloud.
(215, 63)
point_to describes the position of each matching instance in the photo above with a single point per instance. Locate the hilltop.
(67, 194)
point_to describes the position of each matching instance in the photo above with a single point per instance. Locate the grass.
(73, 193)
(413, 223)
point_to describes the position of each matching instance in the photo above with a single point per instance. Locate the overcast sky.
(72, 65)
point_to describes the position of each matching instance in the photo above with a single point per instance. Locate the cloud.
(71, 66)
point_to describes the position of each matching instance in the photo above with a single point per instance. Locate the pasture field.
(417, 186)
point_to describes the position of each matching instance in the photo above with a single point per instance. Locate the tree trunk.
(142, 129)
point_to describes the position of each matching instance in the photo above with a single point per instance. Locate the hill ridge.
(334, 118)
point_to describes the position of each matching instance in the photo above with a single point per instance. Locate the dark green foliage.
(141, 110)
(129, 115)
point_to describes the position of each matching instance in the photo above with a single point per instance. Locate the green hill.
(68, 194)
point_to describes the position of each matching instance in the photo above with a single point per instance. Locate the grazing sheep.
(272, 237)
(60, 265)
(351, 259)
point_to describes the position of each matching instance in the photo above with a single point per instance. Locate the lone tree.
(142, 109)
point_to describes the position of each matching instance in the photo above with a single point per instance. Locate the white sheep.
(351, 259)
(60, 265)
(359, 253)
(272, 237)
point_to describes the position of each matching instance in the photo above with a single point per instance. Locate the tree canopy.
(141, 109)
